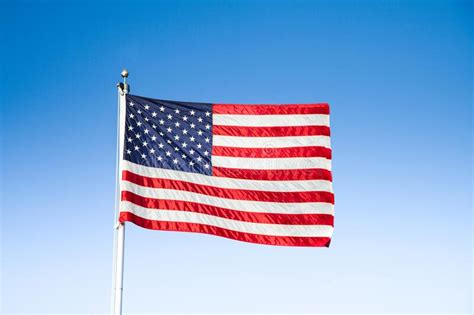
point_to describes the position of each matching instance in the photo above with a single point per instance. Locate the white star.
(169, 129)
(176, 137)
(192, 139)
(162, 122)
(131, 115)
(176, 111)
(185, 131)
(145, 143)
(136, 148)
(130, 128)
(183, 156)
(146, 119)
(185, 118)
(131, 104)
(193, 125)
(162, 134)
(199, 159)
(129, 139)
(152, 151)
(161, 145)
(169, 116)
(129, 152)
(208, 114)
(168, 153)
(162, 109)
(139, 123)
(143, 156)
(139, 111)
(200, 132)
(207, 140)
(175, 161)
(147, 106)
(206, 153)
(200, 119)
(169, 141)
(206, 166)
(184, 144)
(154, 114)
(146, 130)
(160, 158)
(153, 138)
(154, 126)
(176, 148)
(208, 126)
(138, 135)
(192, 113)
(191, 163)
(199, 145)
(191, 151)
(177, 124)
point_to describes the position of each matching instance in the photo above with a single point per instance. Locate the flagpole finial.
(125, 87)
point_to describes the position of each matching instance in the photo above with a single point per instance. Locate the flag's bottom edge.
(218, 231)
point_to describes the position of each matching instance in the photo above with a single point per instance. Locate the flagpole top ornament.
(125, 88)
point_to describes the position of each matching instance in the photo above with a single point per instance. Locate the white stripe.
(271, 142)
(223, 182)
(233, 204)
(270, 120)
(271, 163)
(240, 226)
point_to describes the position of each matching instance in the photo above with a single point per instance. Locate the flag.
(254, 173)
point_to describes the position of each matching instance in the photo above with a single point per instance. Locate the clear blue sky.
(398, 75)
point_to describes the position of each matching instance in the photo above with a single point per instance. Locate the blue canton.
(168, 134)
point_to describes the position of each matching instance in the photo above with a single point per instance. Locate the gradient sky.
(398, 76)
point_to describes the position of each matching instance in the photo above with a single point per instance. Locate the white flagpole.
(119, 242)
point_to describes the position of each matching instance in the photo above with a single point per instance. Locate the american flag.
(254, 173)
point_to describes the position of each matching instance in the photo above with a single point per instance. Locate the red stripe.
(272, 152)
(255, 217)
(300, 174)
(230, 193)
(259, 109)
(290, 131)
(218, 231)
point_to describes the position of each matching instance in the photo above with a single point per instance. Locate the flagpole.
(119, 239)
